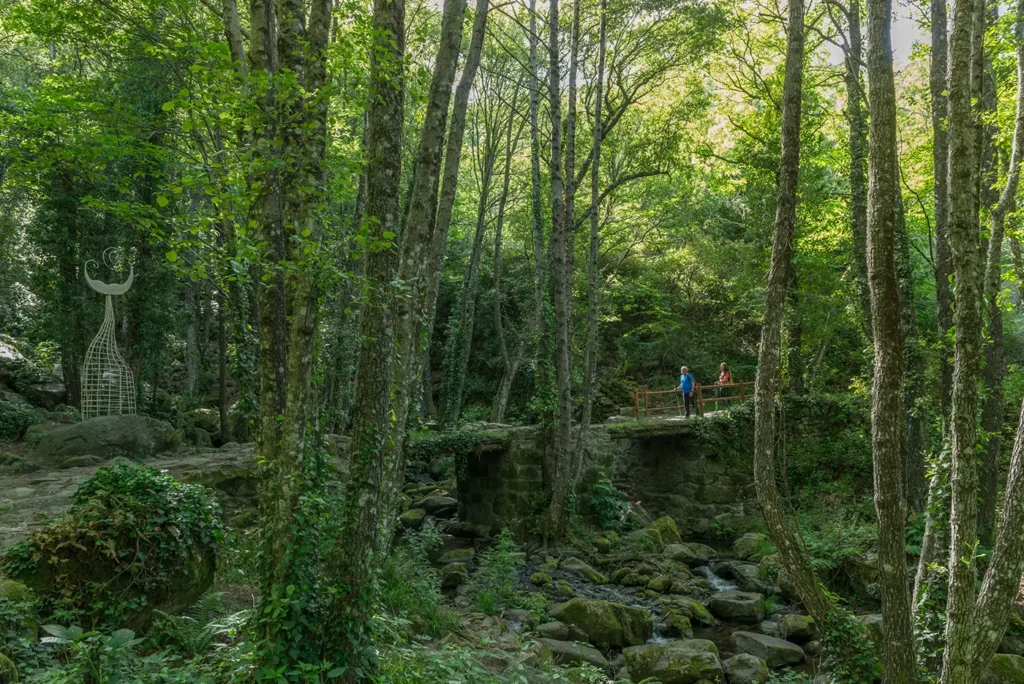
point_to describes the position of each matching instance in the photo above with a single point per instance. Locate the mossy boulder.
(1004, 669)
(18, 614)
(738, 606)
(660, 584)
(458, 556)
(134, 540)
(678, 625)
(8, 673)
(541, 579)
(454, 575)
(798, 628)
(571, 653)
(746, 669)
(685, 553)
(775, 652)
(136, 437)
(412, 519)
(678, 662)
(667, 529)
(753, 547)
(689, 607)
(583, 570)
(606, 624)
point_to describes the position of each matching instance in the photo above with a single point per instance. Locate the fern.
(193, 633)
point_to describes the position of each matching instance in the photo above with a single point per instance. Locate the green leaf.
(161, 201)
(172, 256)
(168, 106)
(388, 235)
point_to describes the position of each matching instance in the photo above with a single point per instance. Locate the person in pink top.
(724, 378)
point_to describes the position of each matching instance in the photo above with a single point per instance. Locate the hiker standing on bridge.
(724, 378)
(686, 385)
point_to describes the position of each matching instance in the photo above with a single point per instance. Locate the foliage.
(15, 420)
(493, 585)
(191, 633)
(850, 656)
(130, 534)
(608, 503)
(95, 658)
(410, 588)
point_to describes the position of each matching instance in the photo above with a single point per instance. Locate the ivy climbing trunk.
(288, 37)
(352, 566)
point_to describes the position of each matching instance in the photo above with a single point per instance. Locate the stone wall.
(698, 471)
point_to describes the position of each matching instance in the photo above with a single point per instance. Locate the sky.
(905, 32)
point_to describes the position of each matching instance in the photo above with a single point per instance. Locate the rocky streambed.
(641, 608)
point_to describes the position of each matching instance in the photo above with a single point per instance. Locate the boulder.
(771, 628)
(678, 625)
(677, 662)
(775, 652)
(667, 529)
(8, 673)
(752, 546)
(541, 579)
(874, 626)
(434, 504)
(465, 555)
(685, 553)
(583, 570)
(80, 462)
(454, 575)
(606, 624)
(745, 669)
(692, 609)
(556, 630)
(135, 437)
(747, 575)
(1004, 668)
(412, 519)
(660, 584)
(862, 573)
(738, 606)
(798, 628)
(571, 653)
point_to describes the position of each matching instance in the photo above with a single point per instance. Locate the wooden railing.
(646, 402)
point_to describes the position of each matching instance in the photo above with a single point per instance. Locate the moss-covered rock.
(454, 575)
(541, 579)
(738, 606)
(692, 609)
(678, 662)
(678, 625)
(1004, 669)
(583, 570)
(133, 541)
(746, 669)
(667, 530)
(660, 584)
(8, 673)
(606, 624)
(563, 589)
(458, 556)
(775, 652)
(412, 519)
(17, 610)
(752, 546)
(133, 436)
(798, 628)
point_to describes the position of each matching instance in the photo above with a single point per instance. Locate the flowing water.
(717, 583)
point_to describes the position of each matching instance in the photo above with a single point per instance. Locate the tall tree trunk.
(286, 224)
(509, 363)
(887, 425)
(537, 210)
(857, 119)
(222, 368)
(963, 237)
(570, 157)
(421, 264)
(915, 416)
(560, 484)
(940, 200)
(794, 338)
(994, 406)
(766, 384)
(593, 274)
(354, 562)
(460, 340)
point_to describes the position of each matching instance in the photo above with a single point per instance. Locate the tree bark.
(593, 274)
(561, 485)
(963, 237)
(994, 407)
(570, 159)
(857, 119)
(460, 340)
(794, 337)
(940, 199)
(887, 425)
(354, 560)
(766, 384)
(539, 264)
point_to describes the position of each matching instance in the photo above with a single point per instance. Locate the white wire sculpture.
(108, 386)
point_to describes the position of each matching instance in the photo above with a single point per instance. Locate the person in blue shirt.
(686, 385)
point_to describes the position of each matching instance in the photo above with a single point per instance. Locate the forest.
(348, 341)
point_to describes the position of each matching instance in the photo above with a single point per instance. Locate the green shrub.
(608, 504)
(15, 420)
(493, 585)
(134, 540)
(411, 588)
